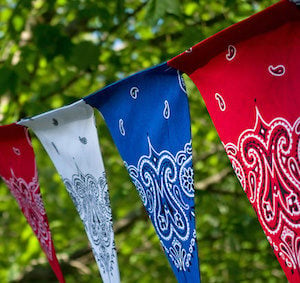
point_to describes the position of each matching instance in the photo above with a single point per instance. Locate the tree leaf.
(85, 55)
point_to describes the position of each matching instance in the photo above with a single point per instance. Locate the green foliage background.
(54, 52)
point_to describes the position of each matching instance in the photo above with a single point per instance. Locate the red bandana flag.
(18, 170)
(248, 75)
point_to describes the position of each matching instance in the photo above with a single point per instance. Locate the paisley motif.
(290, 248)
(165, 184)
(54, 122)
(29, 200)
(266, 161)
(231, 52)
(277, 70)
(166, 112)
(220, 101)
(134, 92)
(180, 256)
(16, 151)
(90, 196)
(121, 127)
(181, 81)
(83, 140)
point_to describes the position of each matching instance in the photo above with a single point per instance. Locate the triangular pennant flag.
(69, 136)
(148, 117)
(248, 76)
(297, 2)
(18, 170)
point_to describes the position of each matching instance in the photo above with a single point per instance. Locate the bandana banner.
(70, 137)
(18, 170)
(248, 76)
(297, 2)
(148, 117)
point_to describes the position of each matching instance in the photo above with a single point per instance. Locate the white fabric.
(69, 136)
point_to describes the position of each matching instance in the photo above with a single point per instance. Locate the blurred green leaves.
(157, 9)
(85, 55)
(7, 79)
(50, 41)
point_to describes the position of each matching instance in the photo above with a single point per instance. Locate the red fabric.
(248, 75)
(18, 170)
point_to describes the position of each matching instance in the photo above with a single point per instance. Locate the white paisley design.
(181, 82)
(166, 112)
(179, 255)
(134, 92)
(221, 101)
(266, 161)
(187, 180)
(121, 127)
(231, 52)
(290, 248)
(165, 184)
(16, 151)
(90, 196)
(277, 71)
(30, 201)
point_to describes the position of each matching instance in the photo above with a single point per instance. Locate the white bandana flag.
(70, 137)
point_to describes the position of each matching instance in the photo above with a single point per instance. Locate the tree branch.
(178, 34)
(218, 148)
(211, 180)
(62, 88)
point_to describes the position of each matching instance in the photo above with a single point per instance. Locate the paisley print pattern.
(30, 201)
(165, 184)
(220, 101)
(16, 151)
(134, 92)
(180, 257)
(266, 162)
(181, 81)
(231, 52)
(290, 248)
(166, 111)
(277, 70)
(90, 196)
(121, 127)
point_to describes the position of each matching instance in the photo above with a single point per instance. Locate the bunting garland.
(297, 2)
(18, 170)
(248, 76)
(69, 136)
(148, 117)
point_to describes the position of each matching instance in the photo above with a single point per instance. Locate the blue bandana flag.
(148, 117)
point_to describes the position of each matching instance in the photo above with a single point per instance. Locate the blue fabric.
(148, 118)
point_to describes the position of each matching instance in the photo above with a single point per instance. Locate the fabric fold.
(70, 138)
(148, 117)
(18, 170)
(248, 75)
